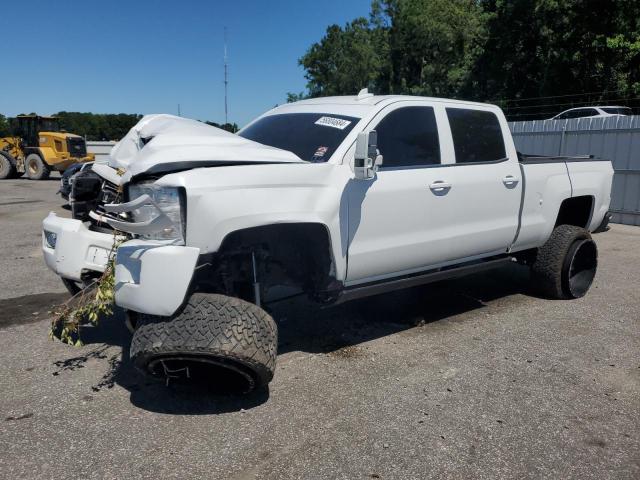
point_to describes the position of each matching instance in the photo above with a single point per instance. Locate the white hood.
(161, 143)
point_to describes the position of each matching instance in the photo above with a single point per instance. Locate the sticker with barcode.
(333, 122)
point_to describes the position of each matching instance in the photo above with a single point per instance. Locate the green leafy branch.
(89, 304)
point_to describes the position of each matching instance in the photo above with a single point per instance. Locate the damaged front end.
(146, 221)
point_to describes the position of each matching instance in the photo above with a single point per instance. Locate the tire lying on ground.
(36, 168)
(216, 340)
(566, 264)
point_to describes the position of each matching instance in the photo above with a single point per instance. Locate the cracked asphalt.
(473, 378)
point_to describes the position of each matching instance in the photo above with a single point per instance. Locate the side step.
(421, 278)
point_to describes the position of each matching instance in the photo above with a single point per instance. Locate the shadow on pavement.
(302, 327)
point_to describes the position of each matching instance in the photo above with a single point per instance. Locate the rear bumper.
(153, 277)
(75, 249)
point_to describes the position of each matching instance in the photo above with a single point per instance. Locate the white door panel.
(390, 220)
(398, 223)
(412, 218)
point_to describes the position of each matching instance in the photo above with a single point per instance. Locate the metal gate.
(615, 138)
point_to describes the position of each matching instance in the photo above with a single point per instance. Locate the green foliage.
(229, 127)
(98, 126)
(434, 45)
(487, 50)
(545, 48)
(296, 97)
(90, 304)
(346, 59)
(5, 130)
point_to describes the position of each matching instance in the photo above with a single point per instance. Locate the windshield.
(618, 110)
(49, 125)
(311, 136)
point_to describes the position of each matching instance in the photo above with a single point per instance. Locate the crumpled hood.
(164, 143)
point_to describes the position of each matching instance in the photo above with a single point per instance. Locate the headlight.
(169, 201)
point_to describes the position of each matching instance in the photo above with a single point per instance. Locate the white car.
(334, 198)
(593, 112)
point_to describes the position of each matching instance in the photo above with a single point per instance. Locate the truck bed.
(548, 181)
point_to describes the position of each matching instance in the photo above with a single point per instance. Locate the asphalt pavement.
(472, 378)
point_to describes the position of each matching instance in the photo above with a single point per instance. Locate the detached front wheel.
(217, 340)
(566, 264)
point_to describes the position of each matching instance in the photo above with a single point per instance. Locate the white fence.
(614, 138)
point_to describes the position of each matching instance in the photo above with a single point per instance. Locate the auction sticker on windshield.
(333, 122)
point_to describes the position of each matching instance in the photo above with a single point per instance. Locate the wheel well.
(576, 211)
(294, 255)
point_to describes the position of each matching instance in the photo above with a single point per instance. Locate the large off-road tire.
(218, 340)
(566, 264)
(7, 168)
(36, 168)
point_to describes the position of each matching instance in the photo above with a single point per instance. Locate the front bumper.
(153, 277)
(76, 249)
(150, 277)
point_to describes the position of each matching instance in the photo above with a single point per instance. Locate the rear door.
(483, 203)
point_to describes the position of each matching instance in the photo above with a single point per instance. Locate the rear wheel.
(36, 168)
(566, 264)
(7, 168)
(215, 340)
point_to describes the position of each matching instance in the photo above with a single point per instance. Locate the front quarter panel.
(221, 200)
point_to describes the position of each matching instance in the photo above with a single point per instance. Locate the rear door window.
(583, 112)
(618, 110)
(477, 135)
(408, 137)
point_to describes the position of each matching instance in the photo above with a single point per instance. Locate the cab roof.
(370, 99)
(360, 105)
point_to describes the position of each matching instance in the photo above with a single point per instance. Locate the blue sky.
(143, 56)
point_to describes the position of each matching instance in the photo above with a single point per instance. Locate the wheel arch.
(301, 253)
(576, 211)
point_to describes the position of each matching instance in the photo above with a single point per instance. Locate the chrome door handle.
(510, 181)
(440, 188)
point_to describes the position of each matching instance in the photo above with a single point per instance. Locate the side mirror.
(366, 159)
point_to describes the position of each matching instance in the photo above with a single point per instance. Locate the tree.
(560, 50)
(296, 97)
(434, 44)
(229, 127)
(533, 57)
(98, 126)
(346, 60)
(5, 130)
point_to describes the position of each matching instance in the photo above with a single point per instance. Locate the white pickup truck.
(336, 198)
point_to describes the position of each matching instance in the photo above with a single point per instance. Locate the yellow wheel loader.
(38, 146)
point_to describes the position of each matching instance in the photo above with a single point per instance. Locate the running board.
(429, 276)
